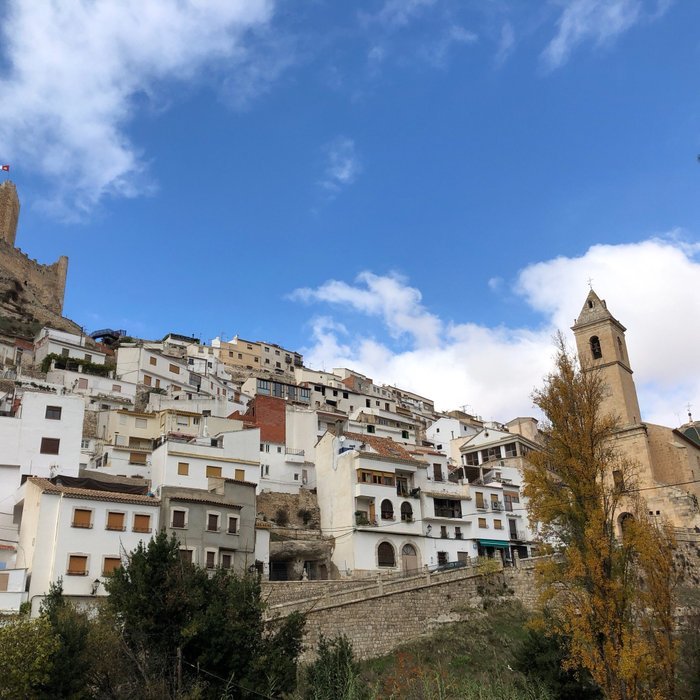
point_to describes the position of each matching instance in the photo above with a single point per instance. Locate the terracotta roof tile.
(383, 446)
(69, 492)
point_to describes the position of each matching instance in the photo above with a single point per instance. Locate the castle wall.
(42, 284)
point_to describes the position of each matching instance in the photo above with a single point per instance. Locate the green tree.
(613, 596)
(184, 628)
(70, 628)
(27, 652)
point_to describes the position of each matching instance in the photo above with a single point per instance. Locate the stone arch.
(406, 512)
(387, 509)
(596, 351)
(386, 555)
(624, 520)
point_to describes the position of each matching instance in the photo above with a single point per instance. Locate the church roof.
(595, 309)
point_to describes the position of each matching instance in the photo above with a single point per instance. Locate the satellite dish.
(341, 438)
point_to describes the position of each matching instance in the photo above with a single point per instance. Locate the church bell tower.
(601, 345)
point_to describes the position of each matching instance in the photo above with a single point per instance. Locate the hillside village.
(257, 462)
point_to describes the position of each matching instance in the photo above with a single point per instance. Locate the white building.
(369, 502)
(50, 341)
(79, 533)
(42, 438)
(115, 392)
(232, 455)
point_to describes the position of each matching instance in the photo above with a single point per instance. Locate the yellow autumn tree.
(609, 588)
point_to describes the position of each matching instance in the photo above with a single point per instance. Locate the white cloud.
(75, 70)
(506, 43)
(652, 287)
(398, 13)
(342, 166)
(437, 53)
(599, 21)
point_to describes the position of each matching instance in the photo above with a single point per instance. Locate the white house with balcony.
(492, 464)
(369, 501)
(79, 530)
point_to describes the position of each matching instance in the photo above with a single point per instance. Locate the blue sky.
(419, 188)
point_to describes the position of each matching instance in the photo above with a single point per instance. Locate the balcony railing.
(290, 451)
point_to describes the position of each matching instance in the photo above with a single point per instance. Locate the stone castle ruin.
(29, 291)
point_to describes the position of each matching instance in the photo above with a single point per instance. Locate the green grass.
(469, 660)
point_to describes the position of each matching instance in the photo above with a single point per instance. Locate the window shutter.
(82, 517)
(77, 565)
(142, 523)
(110, 565)
(115, 521)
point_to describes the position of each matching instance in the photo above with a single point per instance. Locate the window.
(179, 518)
(183, 468)
(210, 559)
(509, 499)
(53, 412)
(49, 446)
(387, 510)
(213, 522)
(595, 347)
(226, 560)
(82, 517)
(65, 352)
(213, 472)
(498, 524)
(142, 523)
(480, 503)
(511, 449)
(437, 472)
(137, 458)
(370, 428)
(458, 533)
(232, 525)
(157, 383)
(406, 512)
(116, 387)
(110, 565)
(296, 477)
(88, 357)
(147, 380)
(115, 521)
(442, 558)
(443, 531)
(140, 422)
(471, 459)
(404, 434)
(386, 555)
(239, 474)
(482, 522)
(279, 450)
(345, 394)
(77, 565)
(186, 556)
(82, 383)
(182, 420)
(4, 580)
(618, 480)
(368, 403)
(153, 361)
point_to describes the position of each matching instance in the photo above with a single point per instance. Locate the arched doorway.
(624, 520)
(409, 558)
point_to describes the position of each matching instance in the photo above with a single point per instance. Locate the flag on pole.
(6, 168)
